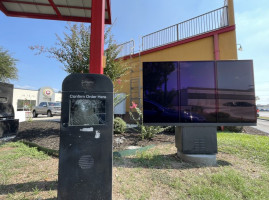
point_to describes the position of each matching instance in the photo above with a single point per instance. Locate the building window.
(25, 105)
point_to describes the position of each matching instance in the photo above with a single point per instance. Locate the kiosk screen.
(87, 112)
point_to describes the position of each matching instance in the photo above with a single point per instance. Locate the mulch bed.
(46, 134)
(254, 131)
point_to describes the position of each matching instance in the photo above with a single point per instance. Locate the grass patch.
(151, 159)
(45, 150)
(14, 156)
(17, 150)
(266, 118)
(252, 147)
(25, 173)
(229, 184)
(242, 173)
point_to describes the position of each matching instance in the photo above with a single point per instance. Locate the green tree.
(115, 68)
(73, 51)
(8, 68)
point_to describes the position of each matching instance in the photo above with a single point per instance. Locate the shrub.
(234, 129)
(171, 130)
(147, 132)
(119, 125)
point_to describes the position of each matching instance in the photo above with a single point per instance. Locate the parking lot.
(264, 113)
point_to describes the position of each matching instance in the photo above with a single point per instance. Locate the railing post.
(177, 33)
(204, 23)
(142, 46)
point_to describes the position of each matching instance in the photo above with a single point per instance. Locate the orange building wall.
(227, 46)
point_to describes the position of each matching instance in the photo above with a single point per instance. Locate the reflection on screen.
(87, 112)
(161, 99)
(199, 92)
(236, 91)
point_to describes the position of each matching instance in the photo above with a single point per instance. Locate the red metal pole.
(97, 37)
(216, 47)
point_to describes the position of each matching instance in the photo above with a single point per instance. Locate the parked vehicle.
(47, 108)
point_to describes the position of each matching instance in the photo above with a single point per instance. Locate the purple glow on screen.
(161, 102)
(199, 92)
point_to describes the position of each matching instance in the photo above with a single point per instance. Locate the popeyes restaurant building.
(24, 100)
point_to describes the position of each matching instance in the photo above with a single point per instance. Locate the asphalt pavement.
(263, 125)
(264, 113)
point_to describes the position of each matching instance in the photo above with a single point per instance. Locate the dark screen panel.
(236, 95)
(236, 76)
(160, 92)
(197, 91)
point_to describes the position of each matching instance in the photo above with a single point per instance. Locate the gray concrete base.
(200, 159)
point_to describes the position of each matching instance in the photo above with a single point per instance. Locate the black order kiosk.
(85, 161)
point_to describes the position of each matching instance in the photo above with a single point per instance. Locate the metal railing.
(126, 49)
(207, 22)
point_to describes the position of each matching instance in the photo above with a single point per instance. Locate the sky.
(131, 20)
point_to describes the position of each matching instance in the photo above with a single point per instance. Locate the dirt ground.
(46, 134)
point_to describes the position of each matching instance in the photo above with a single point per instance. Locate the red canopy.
(65, 10)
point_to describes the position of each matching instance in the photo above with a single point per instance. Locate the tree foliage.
(8, 68)
(73, 51)
(115, 68)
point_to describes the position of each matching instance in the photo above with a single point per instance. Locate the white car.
(47, 108)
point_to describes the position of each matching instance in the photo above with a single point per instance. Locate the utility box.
(8, 125)
(85, 161)
(196, 140)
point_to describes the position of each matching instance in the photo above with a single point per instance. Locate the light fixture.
(240, 47)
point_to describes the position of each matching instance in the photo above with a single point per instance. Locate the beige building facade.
(24, 100)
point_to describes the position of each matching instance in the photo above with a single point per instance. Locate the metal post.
(97, 36)
(177, 33)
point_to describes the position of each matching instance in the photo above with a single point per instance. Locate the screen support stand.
(197, 144)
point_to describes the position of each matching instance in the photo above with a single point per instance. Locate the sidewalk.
(45, 118)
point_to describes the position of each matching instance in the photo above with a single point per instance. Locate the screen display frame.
(217, 123)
